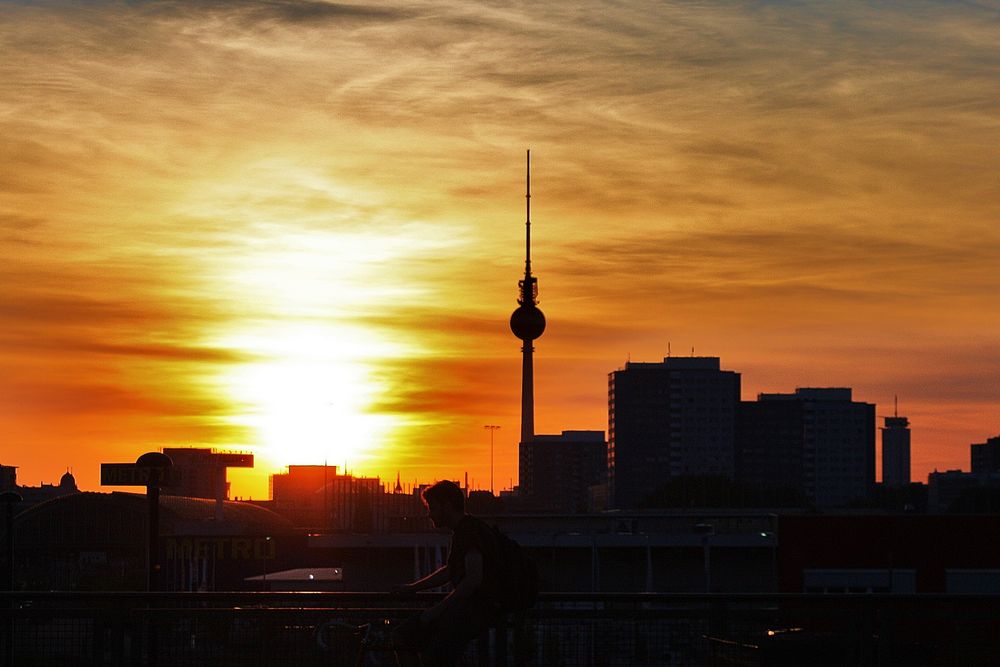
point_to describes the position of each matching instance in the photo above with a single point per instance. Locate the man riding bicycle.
(441, 632)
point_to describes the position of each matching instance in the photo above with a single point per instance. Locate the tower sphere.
(527, 322)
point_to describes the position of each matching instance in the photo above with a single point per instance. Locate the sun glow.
(308, 399)
(307, 390)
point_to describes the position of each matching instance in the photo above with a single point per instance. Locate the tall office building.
(769, 446)
(669, 419)
(557, 471)
(896, 452)
(986, 456)
(833, 436)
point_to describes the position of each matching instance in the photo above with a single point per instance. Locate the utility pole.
(491, 428)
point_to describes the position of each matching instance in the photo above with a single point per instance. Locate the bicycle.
(371, 644)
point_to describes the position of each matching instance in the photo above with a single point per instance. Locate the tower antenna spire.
(527, 214)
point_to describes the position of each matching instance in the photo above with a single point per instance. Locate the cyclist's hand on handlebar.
(403, 589)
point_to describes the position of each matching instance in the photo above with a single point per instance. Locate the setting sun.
(308, 390)
(309, 399)
(298, 231)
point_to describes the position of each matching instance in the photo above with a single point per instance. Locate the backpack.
(518, 574)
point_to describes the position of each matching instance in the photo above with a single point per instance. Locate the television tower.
(527, 322)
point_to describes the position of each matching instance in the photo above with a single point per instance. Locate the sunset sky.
(296, 229)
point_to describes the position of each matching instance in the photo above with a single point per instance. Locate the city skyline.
(294, 228)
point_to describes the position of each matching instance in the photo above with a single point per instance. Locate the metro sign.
(133, 474)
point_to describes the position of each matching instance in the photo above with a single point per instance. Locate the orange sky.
(296, 228)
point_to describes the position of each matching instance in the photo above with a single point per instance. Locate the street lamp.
(706, 530)
(491, 428)
(267, 551)
(772, 540)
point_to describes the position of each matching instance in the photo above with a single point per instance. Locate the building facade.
(896, 452)
(833, 436)
(203, 471)
(986, 456)
(556, 471)
(32, 495)
(769, 446)
(316, 497)
(669, 419)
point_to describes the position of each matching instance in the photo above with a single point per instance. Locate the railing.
(249, 629)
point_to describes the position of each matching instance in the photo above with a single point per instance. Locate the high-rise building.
(986, 456)
(769, 445)
(945, 488)
(315, 496)
(557, 471)
(669, 419)
(896, 452)
(835, 443)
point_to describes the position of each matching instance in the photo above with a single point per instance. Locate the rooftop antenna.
(895, 402)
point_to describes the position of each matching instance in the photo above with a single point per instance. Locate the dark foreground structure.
(303, 629)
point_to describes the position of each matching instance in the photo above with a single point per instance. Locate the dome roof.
(67, 480)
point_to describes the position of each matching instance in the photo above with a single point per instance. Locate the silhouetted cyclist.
(441, 632)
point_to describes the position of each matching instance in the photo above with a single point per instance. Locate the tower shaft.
(527, 393)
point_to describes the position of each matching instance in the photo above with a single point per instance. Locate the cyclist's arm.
(438, 577)
(469, 584)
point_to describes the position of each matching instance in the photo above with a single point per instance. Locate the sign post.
(152, 470)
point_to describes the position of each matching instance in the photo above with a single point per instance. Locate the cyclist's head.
(445, 493)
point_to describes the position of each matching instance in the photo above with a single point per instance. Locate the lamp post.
(706, 530)
(9, 499)
(491, 428)
(267, 550)
(772, 541)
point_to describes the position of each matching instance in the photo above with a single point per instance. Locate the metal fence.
(305, 629)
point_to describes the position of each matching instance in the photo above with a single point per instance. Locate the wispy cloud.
(177, 176)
